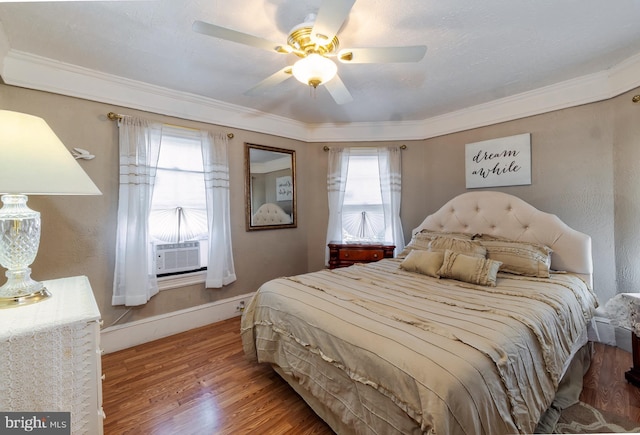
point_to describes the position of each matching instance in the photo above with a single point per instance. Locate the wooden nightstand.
(346, 254)
(633, 375)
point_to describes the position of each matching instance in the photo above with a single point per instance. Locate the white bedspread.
(393, 351)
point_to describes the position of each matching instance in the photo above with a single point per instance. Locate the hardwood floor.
(605, 387)
(199, 382)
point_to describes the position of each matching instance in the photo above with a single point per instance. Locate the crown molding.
(36, 72)
(624, 76)
(4, 46)
(571, 93)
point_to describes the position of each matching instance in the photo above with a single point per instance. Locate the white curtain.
(220, 269)
(134, 281)
(390, 164)
(336, 184)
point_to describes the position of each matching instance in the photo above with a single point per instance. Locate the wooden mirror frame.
(270, 178)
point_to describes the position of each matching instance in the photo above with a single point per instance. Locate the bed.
(481, 346)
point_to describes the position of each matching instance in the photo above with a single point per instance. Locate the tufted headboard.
(270, 214)
(504, 215)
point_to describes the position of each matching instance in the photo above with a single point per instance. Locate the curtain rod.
(402, 147)
(116, 116)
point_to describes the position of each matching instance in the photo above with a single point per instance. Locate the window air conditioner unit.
(177, 257)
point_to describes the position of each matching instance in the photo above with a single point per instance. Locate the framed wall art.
(499, 162)
(284, 188)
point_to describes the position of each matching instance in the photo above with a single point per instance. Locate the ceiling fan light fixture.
(314, 70)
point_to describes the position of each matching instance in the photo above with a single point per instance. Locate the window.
(364, 187)
(178, 207)
(362, 210)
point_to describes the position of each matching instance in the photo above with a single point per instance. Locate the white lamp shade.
(33, 161)
(314, 68)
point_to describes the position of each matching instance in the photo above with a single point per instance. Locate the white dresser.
(50, 356)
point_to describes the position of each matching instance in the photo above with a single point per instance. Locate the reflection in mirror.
(270, 194)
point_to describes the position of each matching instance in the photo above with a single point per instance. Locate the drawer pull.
(375, 255)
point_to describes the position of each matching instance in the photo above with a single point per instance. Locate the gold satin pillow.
(520, 258)
(464, 246)
(421, 240)
(469, 269)
(424, 262)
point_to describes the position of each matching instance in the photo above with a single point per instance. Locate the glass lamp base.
(21, 290)
(19, 240)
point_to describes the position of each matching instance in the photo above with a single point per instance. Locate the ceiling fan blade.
(331, 15)
(33, 1)
(338, 91)
(273, 80)
(235, 36)
(413, 53)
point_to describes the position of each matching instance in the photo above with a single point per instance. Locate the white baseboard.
(130, 334)
(605, 332)
(623, 338)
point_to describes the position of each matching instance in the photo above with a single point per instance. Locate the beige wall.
(626, 178)
(584, 163)
(584, 169)
(78, 233)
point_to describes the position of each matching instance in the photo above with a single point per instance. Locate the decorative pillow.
(424, 262)
(464, 246)
(421, 240)
(469, 269)
(520, 258)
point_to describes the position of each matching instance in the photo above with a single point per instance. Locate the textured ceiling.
(478, 51)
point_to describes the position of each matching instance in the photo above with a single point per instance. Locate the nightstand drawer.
(361, 254)
(346, 254)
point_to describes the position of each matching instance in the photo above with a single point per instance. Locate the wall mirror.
(270, 187)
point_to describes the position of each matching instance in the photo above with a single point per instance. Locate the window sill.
(171, 282)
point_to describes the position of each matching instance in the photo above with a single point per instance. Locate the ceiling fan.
(55, 1)
(315, 43)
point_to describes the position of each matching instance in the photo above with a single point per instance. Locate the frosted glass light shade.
(32, 161)
(314, 70)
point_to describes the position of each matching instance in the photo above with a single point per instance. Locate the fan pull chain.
(313, 92)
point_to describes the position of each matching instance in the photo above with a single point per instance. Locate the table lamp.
(33, 161)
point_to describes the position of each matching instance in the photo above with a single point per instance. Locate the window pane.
(178, 206)
(363, 222)
(363, 181)
(362, 212)
(180, 150)
(178, 189)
